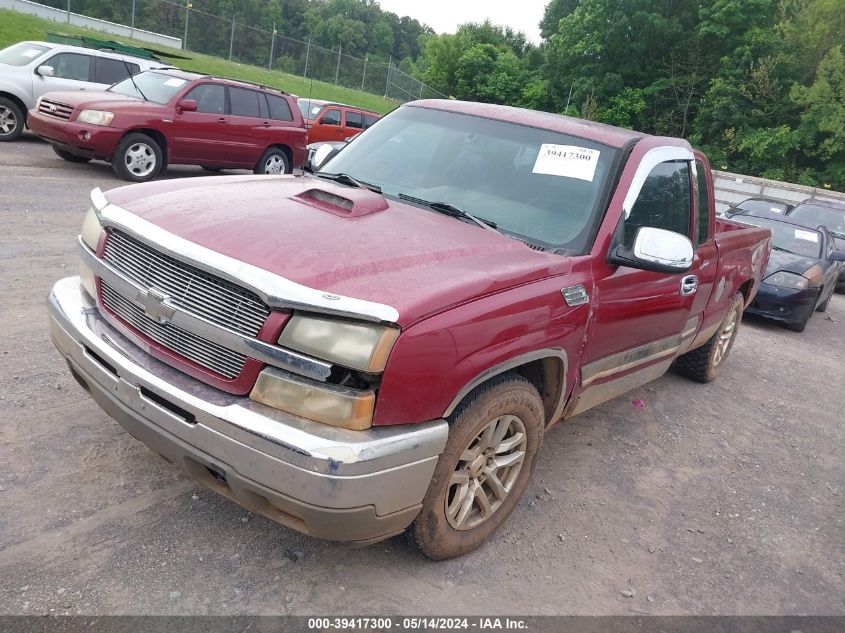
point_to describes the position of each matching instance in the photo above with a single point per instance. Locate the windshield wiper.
(132, 79)
(451, 210)
(346, 179)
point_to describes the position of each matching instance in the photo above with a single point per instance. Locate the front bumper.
(68, 135)
(783, 304)
(358, 486)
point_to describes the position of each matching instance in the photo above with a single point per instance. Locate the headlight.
(329, 404)
(362, 346)
(95, 117)
(91, 229)
(784, 279)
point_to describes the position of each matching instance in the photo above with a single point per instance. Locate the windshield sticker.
(569, 161)
(806, 235)
(174, 82)
(32, 52)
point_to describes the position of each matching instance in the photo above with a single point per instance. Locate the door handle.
(689, 285)
(265, 124)
(221, 120)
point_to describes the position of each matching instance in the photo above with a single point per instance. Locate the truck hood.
(415, 260)
(97, 99)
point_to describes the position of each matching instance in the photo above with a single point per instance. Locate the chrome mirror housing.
(656, 250)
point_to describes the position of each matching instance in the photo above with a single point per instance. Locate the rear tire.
(12, 120)
(138, 158)
(823, 306)
(703, 363)
(494, 438)
(71, 158)
(274, 161)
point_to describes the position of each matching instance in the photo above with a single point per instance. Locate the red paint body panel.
(193, 138)
(468, 299)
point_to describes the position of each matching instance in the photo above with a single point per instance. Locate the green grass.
(15, 27)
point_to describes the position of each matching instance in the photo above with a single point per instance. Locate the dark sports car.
(829, 214)
(802, 272)
(755, 205)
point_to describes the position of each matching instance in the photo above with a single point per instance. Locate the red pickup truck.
(383, 343)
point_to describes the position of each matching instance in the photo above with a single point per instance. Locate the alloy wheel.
(140, 159)
(274, 165)
(725, 337)
(8, 121)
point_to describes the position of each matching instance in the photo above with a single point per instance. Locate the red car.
(330, 121)
(167, 117)
(382, 345)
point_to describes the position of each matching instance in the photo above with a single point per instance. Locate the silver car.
(30, 69)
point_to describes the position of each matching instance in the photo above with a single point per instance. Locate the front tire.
(823, 306)
(273, 161)
(71, 158)
(138, 158)
(11, 120)
(494, 438)
(703, 363)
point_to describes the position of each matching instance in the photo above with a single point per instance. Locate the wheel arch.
(546, 369)
(17, 101)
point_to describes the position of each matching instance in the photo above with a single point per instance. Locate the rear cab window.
(369, 119)
(354, 120)
(22, 54)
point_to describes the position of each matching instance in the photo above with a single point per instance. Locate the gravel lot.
(713, 499)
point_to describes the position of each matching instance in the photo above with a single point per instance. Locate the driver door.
(641, 318)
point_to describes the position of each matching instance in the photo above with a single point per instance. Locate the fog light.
(85, 135)
(329, 404)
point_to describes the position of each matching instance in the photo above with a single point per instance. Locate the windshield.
(833, 219)
(788, 237)
(756, 204)
(534, 184)
(308, 108)
(156, 87)
(21, 54)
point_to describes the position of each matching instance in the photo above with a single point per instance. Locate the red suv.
(329, 121)
(165, 117)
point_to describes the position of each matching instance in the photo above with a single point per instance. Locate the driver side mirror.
(837, 256)
(319, 157)
(186, 105)
(46, 71)
(657, 250)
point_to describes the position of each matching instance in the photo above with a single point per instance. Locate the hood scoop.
(342, 201)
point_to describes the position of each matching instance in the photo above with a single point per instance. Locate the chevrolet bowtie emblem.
(154, 305)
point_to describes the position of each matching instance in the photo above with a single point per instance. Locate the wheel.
(11, 120)
(494, 438)
(840, 287)
(211, 169)
(274, 161)
(138, 158)
(71, 158)
(703, 363)
(823, 306)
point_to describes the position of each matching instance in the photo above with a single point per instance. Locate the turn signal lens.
(91, 229)
(330, 404)
(86, 278)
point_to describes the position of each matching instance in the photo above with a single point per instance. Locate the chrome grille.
(195, 348)
(205, 295)
(55, 109)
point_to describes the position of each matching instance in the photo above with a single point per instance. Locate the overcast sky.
(444, 16)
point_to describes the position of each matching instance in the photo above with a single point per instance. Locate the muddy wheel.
(494, 438)
(703, 364)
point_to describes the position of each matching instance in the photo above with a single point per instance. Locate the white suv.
(29, 69)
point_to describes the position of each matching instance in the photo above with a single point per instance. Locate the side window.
(279, 108)
(244, 102)
(369, 119)
(71, 66)
(110, 71)
(354, 120)
(664, 201)
(210, 98)
(331, 117)
(702, 224)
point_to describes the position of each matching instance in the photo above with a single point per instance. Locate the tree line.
(758, 84)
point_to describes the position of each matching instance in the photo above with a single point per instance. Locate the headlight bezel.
(356, 345)
(101, 118)
(787, 280)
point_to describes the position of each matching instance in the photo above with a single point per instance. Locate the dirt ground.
(724, 498)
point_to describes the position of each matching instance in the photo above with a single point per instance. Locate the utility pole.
(337, 72)
(132, 25)
(272, 47)
(387, 83)
(188, 6)
(307, 53)
(232, 37)
(364, 75)
(68, 11)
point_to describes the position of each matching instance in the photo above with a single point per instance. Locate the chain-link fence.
(229, 38)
